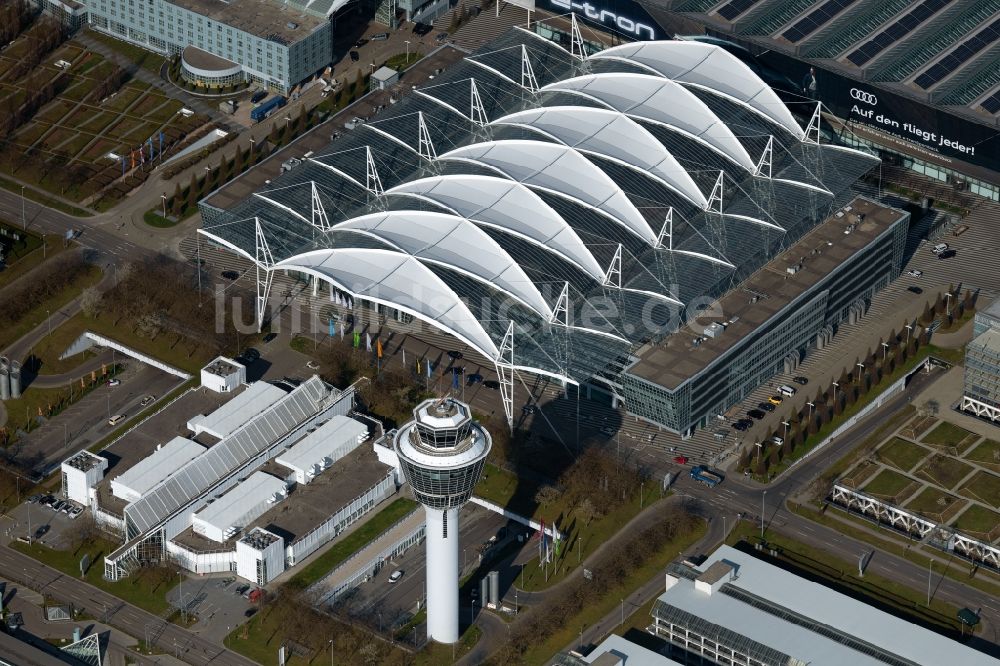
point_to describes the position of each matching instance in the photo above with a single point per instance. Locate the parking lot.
(219, 602)
(38, 518)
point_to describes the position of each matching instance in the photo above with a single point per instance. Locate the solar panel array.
(965, 52)
(734, 8)
(992, 103)
(902, 27)
(200, 474)
(816, 18)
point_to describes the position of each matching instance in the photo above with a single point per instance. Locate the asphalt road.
(112, 610)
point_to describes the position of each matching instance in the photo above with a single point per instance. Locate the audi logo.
(862, 96)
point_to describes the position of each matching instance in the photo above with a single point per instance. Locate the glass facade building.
(982, 376)
(276, 45)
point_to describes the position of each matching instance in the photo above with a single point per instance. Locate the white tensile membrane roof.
(711, 68)
(661, 101)
(397, 281)
(456, 243)
(509, 206)
(610, 134)
(559, 169)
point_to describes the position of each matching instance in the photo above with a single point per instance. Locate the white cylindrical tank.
(441, 537)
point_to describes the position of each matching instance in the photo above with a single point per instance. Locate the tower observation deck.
(442, 452)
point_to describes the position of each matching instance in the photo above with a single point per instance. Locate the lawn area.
(45, 353)
(888, 483)
(145, 59)
(984, 487)
(934, 503)
(171, 348)
(944, 471)
(901, 454)
(35, 317)
(904, 602)
(978, 521)
(54, 246)
(950, 435)
(986, 454)
(549, 645)
(138, 589)
(353, 542)
(886, 428)
(504, 488)
(44, 199)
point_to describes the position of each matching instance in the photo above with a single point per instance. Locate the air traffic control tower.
(442, 454)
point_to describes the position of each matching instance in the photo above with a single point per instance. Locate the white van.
(115, 420)
(786, 390)
(939, 248)
(777, 440)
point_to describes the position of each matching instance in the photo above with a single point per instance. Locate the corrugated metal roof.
(162, 463)
(228, 510)
(339, 432)
(230, 416)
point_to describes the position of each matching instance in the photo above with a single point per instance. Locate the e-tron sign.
(628, 18)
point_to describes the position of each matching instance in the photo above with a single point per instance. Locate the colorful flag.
(142, 157)
(341, 330)
(378, 348)
(81, 382)
(150, 149)
(404, 359)
(357, 339)
(93, 376)
(418, 366)
(331, 326)
(160, 151)
(123, 166)
(454, 378)
(104, 369)
(430, 368)
(132, 155)
(368, 341)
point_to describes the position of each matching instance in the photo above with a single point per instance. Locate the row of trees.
(609, 573)
(48, 280)
(112, 83)
(15, 16)
(853, 384)
(43, 38)
(40, 89)
(595, 484)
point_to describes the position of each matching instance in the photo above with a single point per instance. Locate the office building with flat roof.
(737, 609)
(274, 44)
(981, 395)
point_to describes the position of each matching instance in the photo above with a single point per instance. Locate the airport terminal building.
(564, 211)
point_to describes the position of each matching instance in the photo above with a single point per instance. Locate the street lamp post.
(947, 303)
(759, 445)
(251, 149)
(24, 220)
(407, 42)
(812, 406)
(164, 198)
(623, 611)
(885, 348)
(908, 328)
(786, 424)
(835, 387)
(762, 496)
(48, 318)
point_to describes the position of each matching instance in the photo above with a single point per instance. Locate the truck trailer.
(267, 108)
(704, 475)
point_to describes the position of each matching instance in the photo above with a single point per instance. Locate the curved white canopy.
(398, 281)
(661, 101)
(453, 242)
(611, 134)
(560, 169)
(506, 205)
(712, 68)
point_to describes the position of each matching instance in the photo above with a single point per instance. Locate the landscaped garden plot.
(165, 111)
(31, 133)
(890, 485)
(984, 487)
(99, 151)
(979, 522)
(901, 454)
(139, 133)
(935, 504)
(918, 426)
(54, 111)
(856, 477)
(986, 454)
(943, 471)
(950, 436)
(149, 103)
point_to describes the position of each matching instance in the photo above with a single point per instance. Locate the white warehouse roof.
(245, 501)
(767, 585)
(339, 432)
(144, 475)
(230, 416)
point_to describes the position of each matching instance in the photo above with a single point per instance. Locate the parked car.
(914, 273)
(57, 507)
(230, 275)
(756, 414)
(441, 36)
(455, 355)
(312, 365)
(354, 56)
(116, 419)
(361, 42)
(529, 409)
(777, 440)
(680, 460)
(738, 425)
(492, 384)
(395, 575)
(380, 36)
(269, 337)
(251, 354)
(915, 289)
(775, 400)
(801, 381)
(939, 248)
(114, 382)
(75, 513)
(473, 379)
(766, 406)
(422, 29)
(40, 532)
(34, 498)
(148, 399)
(947, 254)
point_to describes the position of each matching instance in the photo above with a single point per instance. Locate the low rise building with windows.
(274, 44)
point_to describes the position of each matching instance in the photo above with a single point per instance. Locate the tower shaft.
(441, 537)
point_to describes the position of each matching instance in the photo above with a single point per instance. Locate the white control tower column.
(442, 453)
